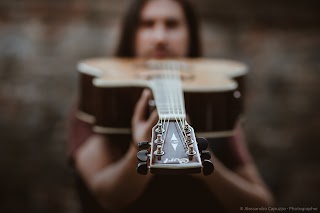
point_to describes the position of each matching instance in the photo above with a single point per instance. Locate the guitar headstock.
(174, 149)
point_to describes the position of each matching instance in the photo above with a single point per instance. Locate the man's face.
(162, 31)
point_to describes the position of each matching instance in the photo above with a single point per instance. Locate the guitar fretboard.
(168, 95)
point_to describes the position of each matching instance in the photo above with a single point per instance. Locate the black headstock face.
(170, 150)
(173, 150)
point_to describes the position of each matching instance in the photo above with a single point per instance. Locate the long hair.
(131, 22)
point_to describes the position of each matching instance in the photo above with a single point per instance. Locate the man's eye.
(147, 24)
(172, 24)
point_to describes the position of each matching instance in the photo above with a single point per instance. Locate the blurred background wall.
(41, 42)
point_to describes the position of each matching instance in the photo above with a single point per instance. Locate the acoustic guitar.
(209, 91)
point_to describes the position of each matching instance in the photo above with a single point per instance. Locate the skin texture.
(162, 33)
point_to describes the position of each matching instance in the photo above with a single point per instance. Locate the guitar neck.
(174, 148)
(168, 95)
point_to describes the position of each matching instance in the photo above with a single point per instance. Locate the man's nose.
(160, 33)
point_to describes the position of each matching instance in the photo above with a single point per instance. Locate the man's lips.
(161, 54)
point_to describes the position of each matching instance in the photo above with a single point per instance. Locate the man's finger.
(153, 119)
(188, 119)
(141, 106)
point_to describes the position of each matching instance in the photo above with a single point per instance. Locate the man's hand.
(141, 127)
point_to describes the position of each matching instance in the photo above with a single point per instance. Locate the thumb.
(152, 120)
(141, 106)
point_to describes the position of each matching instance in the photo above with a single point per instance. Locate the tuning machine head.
(159, 129)
(144, 145)
(143, 156)
(207, 167)
(205, 156)
(202, 144)
(142, 168)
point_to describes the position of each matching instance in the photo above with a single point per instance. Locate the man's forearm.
(119, 184)
(235, 191)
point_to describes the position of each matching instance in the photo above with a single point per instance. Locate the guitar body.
(213, 92)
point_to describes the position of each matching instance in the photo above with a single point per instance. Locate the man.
(161, 29)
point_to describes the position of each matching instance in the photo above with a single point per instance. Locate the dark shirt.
(165, 193)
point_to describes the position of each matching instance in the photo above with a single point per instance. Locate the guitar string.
(176, 88)
(173, 92)
(166, 129)
(181, 103)
(159, 102)
(175, 70)
(180, 95)
(169, 81)
(170, 84)
(167, 99)
(163, 108)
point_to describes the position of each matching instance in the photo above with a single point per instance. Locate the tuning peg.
(207, 167)
(144, 145)
(202, 144)
(142, 155)
(142, 168)
(205, 155)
